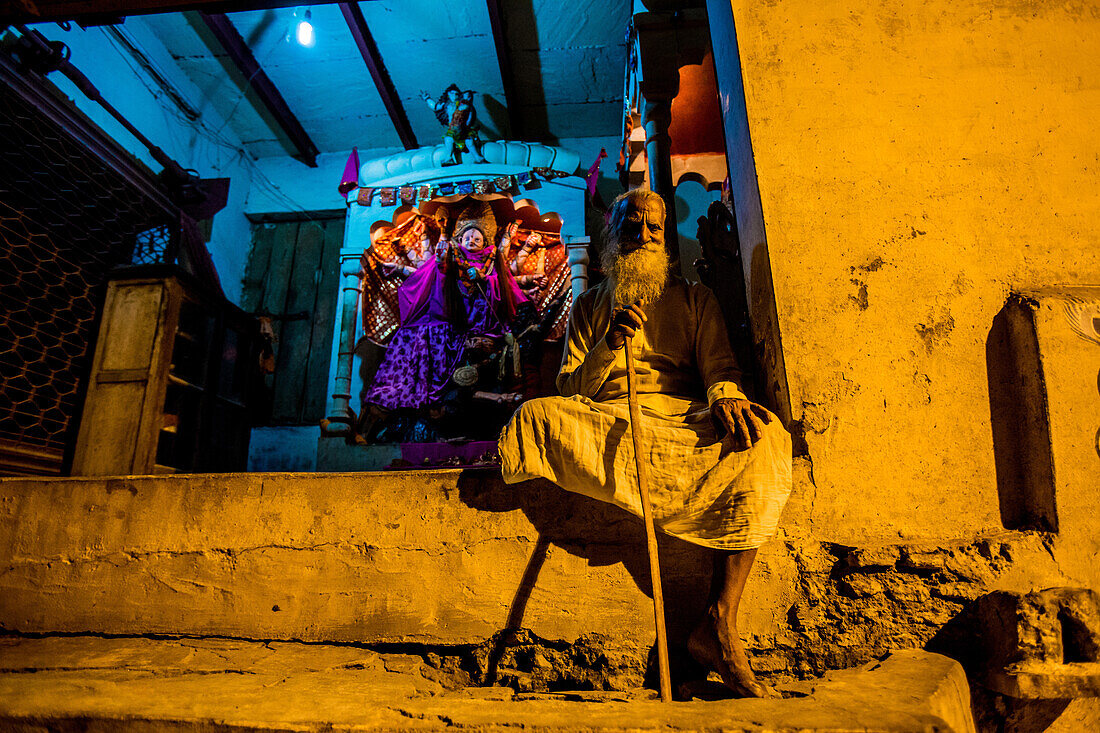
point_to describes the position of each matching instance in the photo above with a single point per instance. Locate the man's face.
(636, 260)
(643, 227)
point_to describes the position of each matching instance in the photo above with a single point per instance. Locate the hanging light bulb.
(303, 31)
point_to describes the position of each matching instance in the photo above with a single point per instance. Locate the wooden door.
(293, 276)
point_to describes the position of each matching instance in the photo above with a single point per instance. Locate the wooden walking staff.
(650, 533)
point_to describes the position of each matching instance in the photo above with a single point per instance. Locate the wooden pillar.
(577, 252)
(657, 116)
(341, 420)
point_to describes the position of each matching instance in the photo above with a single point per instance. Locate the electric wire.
(237, 153)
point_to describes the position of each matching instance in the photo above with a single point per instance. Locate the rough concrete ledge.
(430, 557)
(93, 684)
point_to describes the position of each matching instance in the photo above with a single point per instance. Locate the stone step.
(81, 683)
(437, 557)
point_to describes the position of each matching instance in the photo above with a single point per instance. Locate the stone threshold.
(81, 683)
(335, 455)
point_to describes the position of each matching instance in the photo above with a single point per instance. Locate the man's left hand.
(744, 420)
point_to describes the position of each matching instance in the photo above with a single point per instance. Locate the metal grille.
(65, 220)
(152, 246)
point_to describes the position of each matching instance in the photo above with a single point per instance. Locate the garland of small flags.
(412, 195)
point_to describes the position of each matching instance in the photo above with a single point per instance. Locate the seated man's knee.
(534, 409)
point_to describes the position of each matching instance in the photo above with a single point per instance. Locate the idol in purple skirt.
(466, 291)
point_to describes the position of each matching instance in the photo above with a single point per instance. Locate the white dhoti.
(702, 490)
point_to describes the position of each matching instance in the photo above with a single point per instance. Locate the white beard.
(640, 275)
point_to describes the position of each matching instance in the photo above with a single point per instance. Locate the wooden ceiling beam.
(91, 12)
(357, 24)
(241, 55)
(504, 61)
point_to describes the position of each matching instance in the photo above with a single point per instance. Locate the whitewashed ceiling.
(567, 69)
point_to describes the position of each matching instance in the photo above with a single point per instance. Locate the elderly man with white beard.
(719, 465)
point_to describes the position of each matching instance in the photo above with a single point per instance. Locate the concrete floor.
(91, 683)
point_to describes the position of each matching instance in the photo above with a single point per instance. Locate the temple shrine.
(641, 365)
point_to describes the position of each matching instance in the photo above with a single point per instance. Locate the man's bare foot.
(716, 645)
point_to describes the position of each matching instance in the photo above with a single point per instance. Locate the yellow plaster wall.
(917, 161)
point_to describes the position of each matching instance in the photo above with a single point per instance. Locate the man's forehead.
(643, 207)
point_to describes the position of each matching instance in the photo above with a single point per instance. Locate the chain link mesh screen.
(65, 220)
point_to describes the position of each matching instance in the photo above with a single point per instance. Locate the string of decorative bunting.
(412, 195)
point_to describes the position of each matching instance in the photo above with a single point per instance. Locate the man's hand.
(743, 419)
(625, 322)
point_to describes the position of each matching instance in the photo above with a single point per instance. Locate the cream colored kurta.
(703, 491)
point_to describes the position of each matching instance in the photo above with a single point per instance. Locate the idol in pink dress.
(467, 291)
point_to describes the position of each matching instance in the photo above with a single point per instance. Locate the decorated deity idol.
(455, 111)
(465, 292)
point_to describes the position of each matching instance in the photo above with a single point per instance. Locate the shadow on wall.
(498, 119)
(692, 201)
(521, 34)
(765, 324)
(721, 269)
(1019, 420)
(603, 535)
